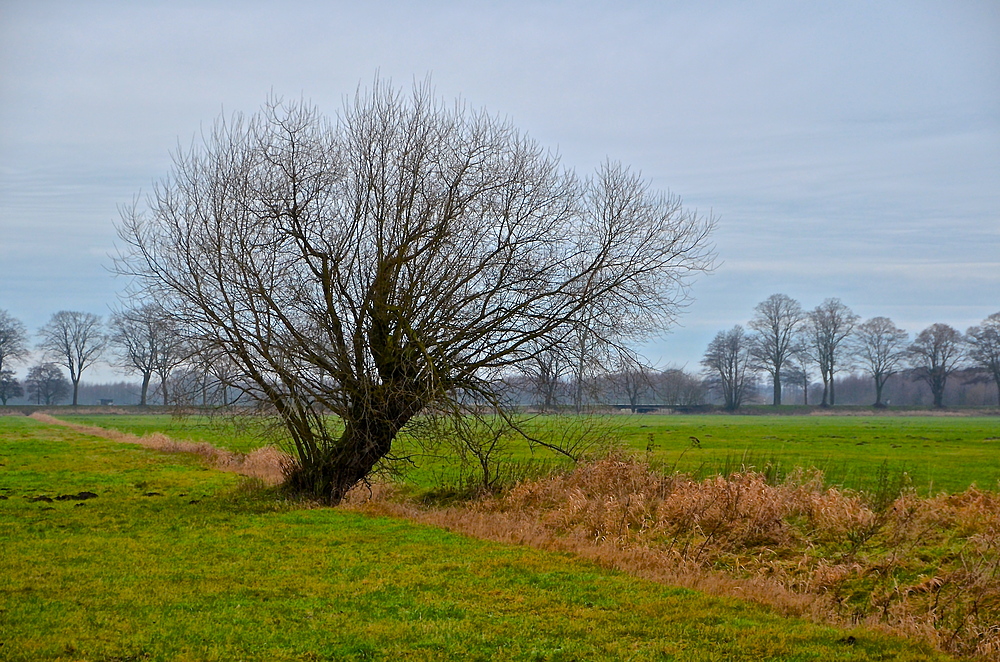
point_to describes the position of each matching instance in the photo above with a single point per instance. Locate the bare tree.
(676, 387)
(145, 343)
(776, 320)
(46, 384)
(826, 329)
(727, 364)
(74, 340)
(545, 373)
(10, 387)
(934, 355)
(801, 371)
(632, 379)
(984, 347)
(879, 346)
(401, 259)
(13, 340)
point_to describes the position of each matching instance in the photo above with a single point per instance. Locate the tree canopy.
(398, 259)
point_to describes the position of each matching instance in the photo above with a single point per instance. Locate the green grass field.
(937, 453)
(173, 561)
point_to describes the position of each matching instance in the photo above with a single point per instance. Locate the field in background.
(937, 453)
(169, 560)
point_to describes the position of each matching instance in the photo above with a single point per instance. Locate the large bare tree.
(13, 340)
(879, 347)
(826, 329)
(727, 365)
(74, 340)
(777, 321)
(399, 259)
(934, 355)
(984, 347)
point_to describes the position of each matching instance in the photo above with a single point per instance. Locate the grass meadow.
(936, 453)
(111, 551)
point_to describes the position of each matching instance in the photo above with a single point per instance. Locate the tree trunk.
(76, 389)
(833, 399)
(329, 477)
(937, 384)
(777, 388)
(879, 383)
(146, 376)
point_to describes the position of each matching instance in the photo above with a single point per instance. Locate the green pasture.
(174, 561)
(937, 453)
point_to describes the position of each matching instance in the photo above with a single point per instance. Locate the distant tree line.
(138, 341)
(821, 356)
(791, 346)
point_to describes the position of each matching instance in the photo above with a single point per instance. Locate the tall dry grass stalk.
(267, 464)
(924, 568)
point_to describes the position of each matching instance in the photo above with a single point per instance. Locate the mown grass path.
(173, 561)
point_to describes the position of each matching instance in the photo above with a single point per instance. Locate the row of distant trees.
(790, 344)
(784, 343)
(141, 341)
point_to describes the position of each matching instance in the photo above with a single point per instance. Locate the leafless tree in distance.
(776, 320)
(676, 387)
(879, 347)
(826, 329)
(400, 259)
(145, 343)
(984, 347)
(934, 355)
(13, 340)
(727, 362)
(632, 378)
(10, 387)
(46, 384)
(74, 340)
(545, 374)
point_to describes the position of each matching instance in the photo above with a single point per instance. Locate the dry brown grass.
(267, 464)
(924, 568)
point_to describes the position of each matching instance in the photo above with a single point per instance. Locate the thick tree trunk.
(76, 389)
(329, 469)
(937, 384)
(330, 476)
(777, 388)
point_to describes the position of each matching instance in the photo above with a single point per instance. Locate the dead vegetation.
(919, 567)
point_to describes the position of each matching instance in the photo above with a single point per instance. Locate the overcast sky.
(849, 149)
